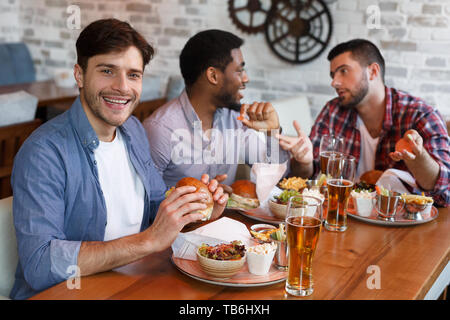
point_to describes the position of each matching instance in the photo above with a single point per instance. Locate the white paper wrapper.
(274, 192)
(392, 179)
(266, 176)
(223, 230)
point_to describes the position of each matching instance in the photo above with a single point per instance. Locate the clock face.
(297, 31)
(249, 15)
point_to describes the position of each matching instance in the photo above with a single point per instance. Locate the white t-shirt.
(368, 149)
(122, 188)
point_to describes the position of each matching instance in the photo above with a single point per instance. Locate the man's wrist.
(149, 243)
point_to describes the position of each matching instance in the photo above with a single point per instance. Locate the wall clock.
(249, 15)
(297, 31)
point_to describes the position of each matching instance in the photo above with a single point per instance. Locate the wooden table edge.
(433, 277)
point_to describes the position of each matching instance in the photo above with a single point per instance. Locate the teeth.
(115, 101)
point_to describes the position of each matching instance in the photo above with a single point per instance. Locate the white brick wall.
(10, 30)
(414, 38)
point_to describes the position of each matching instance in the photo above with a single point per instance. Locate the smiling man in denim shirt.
(86, 191)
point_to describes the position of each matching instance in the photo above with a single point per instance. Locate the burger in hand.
(201, 187)
(243, 195)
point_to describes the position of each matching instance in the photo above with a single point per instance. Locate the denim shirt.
(58, 201)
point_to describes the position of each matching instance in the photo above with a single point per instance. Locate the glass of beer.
(329, 145)
(303, 225)
(340, 179)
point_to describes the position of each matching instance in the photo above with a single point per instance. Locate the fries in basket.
(293, 183)
(417, 199)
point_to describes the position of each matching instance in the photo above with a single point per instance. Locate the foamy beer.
(324, 156)
(329, 145)
(303, 225)
(341, 174)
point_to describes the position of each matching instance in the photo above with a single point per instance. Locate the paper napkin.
(392, 179)
(266, 176)
(223, 230)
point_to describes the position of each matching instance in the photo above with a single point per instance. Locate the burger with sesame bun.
(201, 187)
(243, 195)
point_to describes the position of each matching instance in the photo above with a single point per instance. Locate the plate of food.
(406, 209)
(232, 264)
(275, 210)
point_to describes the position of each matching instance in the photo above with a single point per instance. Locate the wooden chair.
(146, 108)
(11, 139)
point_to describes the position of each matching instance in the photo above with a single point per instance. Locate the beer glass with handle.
(329, 145)
(340, 179)
(303, 225)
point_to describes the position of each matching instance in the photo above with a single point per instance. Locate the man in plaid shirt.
(372, 118)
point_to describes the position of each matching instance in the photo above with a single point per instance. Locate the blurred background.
(413, 35)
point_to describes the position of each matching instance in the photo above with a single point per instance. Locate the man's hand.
(173, 214)
(220, 198)
(300, 147)
(422, 166)
(261, 116)
(416, 143)
(226, 188)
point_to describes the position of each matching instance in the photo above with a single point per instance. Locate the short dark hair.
(110, 35)
(364, 51)
(209, 48)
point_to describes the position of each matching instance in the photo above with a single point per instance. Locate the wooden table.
(410, 259)
(47, 92)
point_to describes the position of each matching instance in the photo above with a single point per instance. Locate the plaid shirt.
(403, 112)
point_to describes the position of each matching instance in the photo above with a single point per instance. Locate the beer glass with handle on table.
(303, 225)
(329, 145)
(340, 179)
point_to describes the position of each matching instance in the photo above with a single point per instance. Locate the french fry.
(417, 199)
(293, 183)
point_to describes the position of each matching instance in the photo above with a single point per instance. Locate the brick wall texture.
(413, 35)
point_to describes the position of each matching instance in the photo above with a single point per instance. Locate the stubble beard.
(226, 100)
(358, 94)
(94, 102)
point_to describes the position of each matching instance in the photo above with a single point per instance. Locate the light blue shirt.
(181, 149)
(58, 201)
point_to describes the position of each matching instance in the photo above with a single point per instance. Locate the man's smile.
(116, 102)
